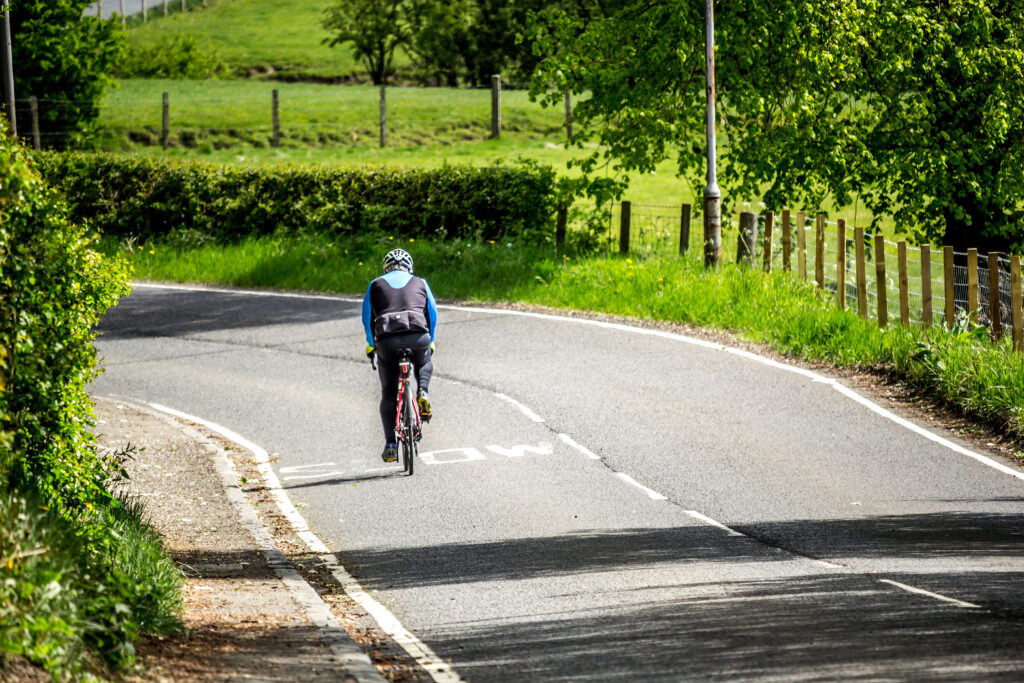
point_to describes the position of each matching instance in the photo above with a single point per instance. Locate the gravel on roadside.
(242, 621)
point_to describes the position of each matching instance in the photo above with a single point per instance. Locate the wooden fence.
(892, 282)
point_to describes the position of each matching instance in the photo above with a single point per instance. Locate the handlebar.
(373, 360)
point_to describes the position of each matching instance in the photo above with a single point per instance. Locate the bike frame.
(404, 368)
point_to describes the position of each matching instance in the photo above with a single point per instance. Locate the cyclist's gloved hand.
(369, 351)
(433, 347)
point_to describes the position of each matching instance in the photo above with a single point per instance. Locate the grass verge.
(982, 379)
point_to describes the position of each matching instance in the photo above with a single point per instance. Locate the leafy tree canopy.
(908, 105)
(374, 28)
(65, 59)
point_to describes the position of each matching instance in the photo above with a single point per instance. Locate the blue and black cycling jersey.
(398, 303)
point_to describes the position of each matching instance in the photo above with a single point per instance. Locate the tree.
(908, 105)
(375, 28)
(439, 39)
(65, 59)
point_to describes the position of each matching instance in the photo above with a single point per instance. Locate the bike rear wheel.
(408, 439)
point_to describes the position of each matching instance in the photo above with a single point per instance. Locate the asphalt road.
(739, 520)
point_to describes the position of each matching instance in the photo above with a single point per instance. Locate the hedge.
(145, 197)
(81, 574)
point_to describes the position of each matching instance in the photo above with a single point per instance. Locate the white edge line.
(356, 662)
(715, 523)
(846, 391)
(651, 493)
(936, 596)
(522, 408)
(569, 441)
(438, 669)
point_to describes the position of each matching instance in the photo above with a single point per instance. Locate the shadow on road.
(810, 628)
(179, 313)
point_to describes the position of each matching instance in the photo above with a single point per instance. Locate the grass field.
(258, 36)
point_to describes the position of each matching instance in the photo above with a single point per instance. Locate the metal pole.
(712, 193)
(123, 18)
(9, 70)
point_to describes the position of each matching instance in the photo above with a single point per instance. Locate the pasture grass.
(983, 379)
(254, 37)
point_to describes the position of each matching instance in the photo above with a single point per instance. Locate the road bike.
(408, 424)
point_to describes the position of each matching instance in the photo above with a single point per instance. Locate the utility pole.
(9, 69)
(712, 193)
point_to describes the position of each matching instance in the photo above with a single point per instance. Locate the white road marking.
(714, 523)
(468, 455)
(438, 669)
(523, 409)
(319, 475)
(520, 451)
(813, 376)
(651, 493)
(936, 596)
(299, 468)
(568, 440)
(829, 565)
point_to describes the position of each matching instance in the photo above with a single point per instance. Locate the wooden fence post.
(99, 10)
(33, 104)
(926, 285)
(994, 312)
(901, 259)
(495, 106)
(787, 241)
(862, 276)
(684, 229)
(972, 284)
(166, 131)
(624, 218)
(1018, 304)
(819, 251)
(841, 263)
(165, 8)
(568, 115)
(145, 16)
(801, 244)
(769, 236)
(747, 239)
(276, 119)
(183, 8)
(881, 282)
(561, 221)
(949, 280)
(383, 114)
(123, 17)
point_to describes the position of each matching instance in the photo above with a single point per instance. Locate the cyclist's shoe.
(390, 453)
(423, 401)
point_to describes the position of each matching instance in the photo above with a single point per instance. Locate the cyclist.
(399, 312)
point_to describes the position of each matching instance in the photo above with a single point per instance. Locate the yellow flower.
(629, 260)
(411, 240)
(151, 251)
(390, 237)
(360, 263)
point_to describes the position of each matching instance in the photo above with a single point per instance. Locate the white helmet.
(398, 258)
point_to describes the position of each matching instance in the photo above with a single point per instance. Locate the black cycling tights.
(387, 369)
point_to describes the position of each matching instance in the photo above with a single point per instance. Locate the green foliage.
(374, 28)
(81, 576)
(65, 59)
(907, 104)
(142, 198)
(172, 56)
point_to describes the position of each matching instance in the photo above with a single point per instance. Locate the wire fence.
(893, 281)
(265, 113)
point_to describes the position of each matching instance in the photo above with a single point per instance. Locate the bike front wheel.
(408, 441)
